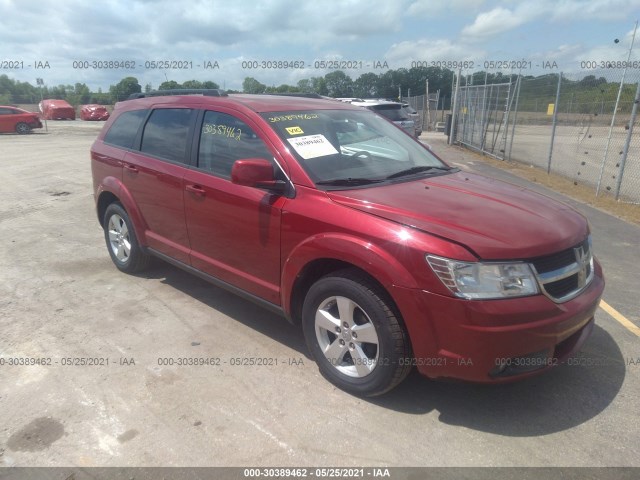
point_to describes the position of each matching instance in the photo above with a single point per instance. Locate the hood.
(494, 219)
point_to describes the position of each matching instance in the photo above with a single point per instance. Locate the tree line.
(536, 90)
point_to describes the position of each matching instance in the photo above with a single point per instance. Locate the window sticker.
(312, 146)
(298, 116)
(294, 130)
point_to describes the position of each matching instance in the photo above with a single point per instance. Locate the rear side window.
(125, 128)
(166, 133)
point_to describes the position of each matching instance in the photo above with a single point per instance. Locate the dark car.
(14, 119)
(331, 216)
(94, 112)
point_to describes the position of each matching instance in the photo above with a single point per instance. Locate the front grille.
(563, 287)
(565, 274)
(555, 261)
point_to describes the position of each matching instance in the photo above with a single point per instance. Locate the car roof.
(55, 102)
(14, 107)
(376, 103)
(257, 102)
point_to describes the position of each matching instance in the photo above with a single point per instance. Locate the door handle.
(131, 168)
(197, 189)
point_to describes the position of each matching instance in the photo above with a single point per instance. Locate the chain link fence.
(426, 108)
(582, 126)
(483, 117)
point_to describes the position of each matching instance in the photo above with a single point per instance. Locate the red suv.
(332, 216)
(14, 119)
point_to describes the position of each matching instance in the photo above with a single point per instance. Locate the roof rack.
(207, 92)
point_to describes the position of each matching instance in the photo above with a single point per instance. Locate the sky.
(57, 41)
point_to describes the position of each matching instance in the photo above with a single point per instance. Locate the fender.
(372, 259)
(116, 187)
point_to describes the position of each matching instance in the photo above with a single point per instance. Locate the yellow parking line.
(629, 325)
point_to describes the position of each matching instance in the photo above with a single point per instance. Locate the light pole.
(40, 83)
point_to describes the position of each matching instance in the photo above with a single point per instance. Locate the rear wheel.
(22, 128)
(122, 243)
(354, 335)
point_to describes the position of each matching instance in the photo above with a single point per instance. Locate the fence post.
(625, 150)
(554, 122)
(454, 112)
(428, 110)
(515, 114)
(484, 118)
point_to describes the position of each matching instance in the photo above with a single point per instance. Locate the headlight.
(474, 280)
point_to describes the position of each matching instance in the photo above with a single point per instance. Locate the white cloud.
(496, 21)
(593, 9)
(429, 8)
(404, 53)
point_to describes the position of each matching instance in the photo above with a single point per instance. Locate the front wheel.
(122, 243)
(356, 338)
(22, 128)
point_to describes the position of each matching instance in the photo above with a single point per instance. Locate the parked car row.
(61, 110)
(17, 120)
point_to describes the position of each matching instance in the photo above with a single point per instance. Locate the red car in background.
(14, 119)
(57, 110)
(94, 112)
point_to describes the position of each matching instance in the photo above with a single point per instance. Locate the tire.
(340, 312)
(122, 244)
(22, 128)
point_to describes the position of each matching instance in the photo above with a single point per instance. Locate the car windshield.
(346, 148)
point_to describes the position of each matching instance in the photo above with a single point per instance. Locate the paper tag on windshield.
(312, 146)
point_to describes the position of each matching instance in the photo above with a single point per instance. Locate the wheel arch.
(325, 254)
(112, 191)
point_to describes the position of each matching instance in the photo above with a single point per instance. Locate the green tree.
(196, 84)
(124, 88)
(319, 85)
(169, 85)
(305, 86)
(251, 85)
(339, 84)
(366, 85)
(79, 95)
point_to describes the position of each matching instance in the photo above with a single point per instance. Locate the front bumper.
(496, 340)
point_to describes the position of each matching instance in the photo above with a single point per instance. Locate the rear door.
(234, 230)
(154, 177)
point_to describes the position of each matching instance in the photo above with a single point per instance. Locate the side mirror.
(256, 172)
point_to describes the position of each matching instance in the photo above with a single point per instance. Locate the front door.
(234, 230)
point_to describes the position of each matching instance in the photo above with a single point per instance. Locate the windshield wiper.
(420, 169)
(348, 181)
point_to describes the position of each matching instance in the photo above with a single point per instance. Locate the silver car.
(393, 111)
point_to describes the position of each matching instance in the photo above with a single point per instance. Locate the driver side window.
(225, 139)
